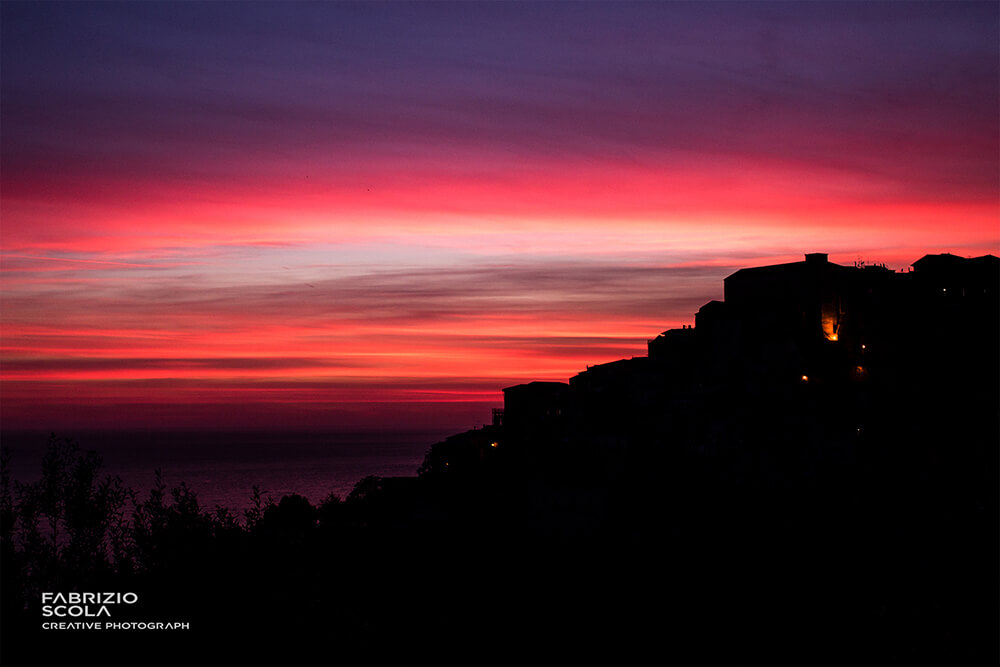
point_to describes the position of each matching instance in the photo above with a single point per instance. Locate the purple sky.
(326, 211)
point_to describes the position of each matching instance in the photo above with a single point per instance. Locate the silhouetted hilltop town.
(809, 352)
(808, 475)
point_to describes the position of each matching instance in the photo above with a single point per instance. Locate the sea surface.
(223, 467)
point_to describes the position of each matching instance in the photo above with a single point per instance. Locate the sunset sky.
(377, 215)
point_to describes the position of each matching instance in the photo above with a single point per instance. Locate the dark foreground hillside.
(631, 557)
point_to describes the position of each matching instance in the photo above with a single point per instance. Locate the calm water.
(223, 467)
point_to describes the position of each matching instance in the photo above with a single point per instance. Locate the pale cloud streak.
(326, 204)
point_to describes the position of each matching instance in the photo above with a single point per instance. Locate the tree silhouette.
(71, 520)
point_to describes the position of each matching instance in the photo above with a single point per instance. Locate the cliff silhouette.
(807, 475)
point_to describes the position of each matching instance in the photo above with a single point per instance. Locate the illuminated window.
(830, 320)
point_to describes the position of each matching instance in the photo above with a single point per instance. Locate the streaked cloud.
(302, 207)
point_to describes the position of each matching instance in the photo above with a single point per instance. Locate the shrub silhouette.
(330, 510)
(290, 522)
(71, 520)
(366, 488)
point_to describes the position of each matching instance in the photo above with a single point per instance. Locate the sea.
(223, 467)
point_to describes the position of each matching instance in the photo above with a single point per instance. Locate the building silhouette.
(811, 352)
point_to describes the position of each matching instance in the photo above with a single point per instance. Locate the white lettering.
(81, 625)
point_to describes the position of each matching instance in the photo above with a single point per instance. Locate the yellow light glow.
(830, 323)
(805, 378)
(494, 444)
